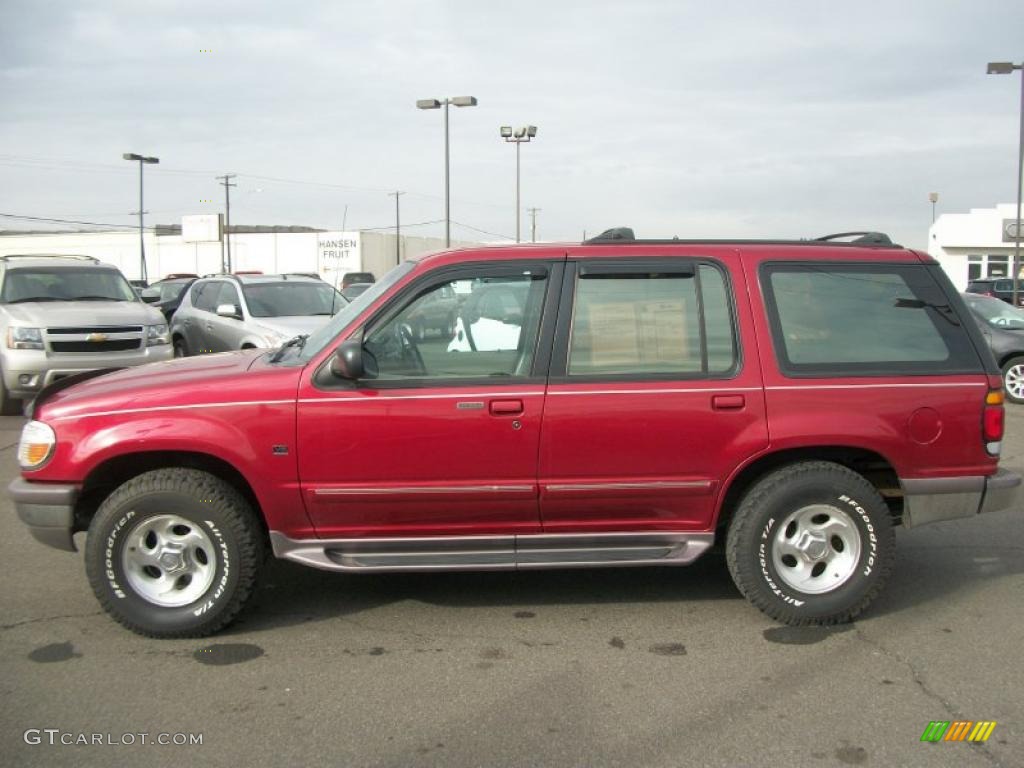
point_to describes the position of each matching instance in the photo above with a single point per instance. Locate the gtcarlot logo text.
(55, 737)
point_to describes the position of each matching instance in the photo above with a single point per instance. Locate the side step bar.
(494, 553)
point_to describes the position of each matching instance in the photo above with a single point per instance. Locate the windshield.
(292, 299)
(325, 335)
(996, 313)
(171, 289)
(66, 284)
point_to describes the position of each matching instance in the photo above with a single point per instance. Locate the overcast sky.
(697, 119)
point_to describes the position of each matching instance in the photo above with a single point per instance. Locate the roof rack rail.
(78, 256)
(860, 238)
(615, 233)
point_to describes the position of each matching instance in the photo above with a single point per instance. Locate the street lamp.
(142, 243)
(1007, 68)
(458, 101)
(517, 137)
(933, 198)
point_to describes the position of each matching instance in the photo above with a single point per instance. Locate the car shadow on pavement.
(292, 594)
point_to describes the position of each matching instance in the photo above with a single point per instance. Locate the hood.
(203, 380)
(52, 314)
(293, 325)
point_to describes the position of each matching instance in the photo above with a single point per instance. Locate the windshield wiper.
(295, 341)
(97, 298)
(36, 298)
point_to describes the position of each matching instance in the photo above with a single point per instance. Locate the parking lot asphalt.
(652, 667)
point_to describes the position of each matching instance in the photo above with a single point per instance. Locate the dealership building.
(199, 246)
(975, 244)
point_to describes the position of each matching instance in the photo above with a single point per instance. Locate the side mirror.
(150, 295)
(229, 310)
(347, 362)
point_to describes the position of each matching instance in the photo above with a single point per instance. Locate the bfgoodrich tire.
(174, 553)
(811, 544)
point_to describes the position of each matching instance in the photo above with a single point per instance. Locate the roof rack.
(859, 238)
(626, 235)
(10, 256)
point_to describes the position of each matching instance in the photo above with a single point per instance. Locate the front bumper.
(26, 372)
(933, 500)
(48, 509)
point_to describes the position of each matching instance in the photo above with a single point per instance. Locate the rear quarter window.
(863, 319)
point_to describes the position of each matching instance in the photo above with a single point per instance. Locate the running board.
(494, 553)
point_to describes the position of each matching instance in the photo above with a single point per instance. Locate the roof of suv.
(15, 260)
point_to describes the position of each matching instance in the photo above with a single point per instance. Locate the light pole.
(458, 101)
(142, 243)
(517, 137)
(225, 180)
(933, 198)
(398, 226)
(1007, 68)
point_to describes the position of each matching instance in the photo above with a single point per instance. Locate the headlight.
(37, 443)
(24, 338)
(156, 335)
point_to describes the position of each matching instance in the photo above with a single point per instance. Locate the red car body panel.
(563, 457)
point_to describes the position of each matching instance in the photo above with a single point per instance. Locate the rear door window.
(867, 319)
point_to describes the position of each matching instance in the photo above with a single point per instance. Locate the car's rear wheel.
(811, 543)
(174, 553)
(1013, 379)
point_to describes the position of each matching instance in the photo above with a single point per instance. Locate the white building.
(975, 244)
(269, 250)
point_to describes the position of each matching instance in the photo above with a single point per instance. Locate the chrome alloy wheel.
(1013, 380)
(816, 549)
(169, 560)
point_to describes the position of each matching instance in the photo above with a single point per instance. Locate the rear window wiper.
(295, 341)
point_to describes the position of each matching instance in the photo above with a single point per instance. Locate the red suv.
(618, 402)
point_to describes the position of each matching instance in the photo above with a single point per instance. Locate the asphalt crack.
(918, 677)
(41, 619)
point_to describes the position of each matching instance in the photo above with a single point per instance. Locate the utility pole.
(398, 226)
(533, 224)
(226, 182)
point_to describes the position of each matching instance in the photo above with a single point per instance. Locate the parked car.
(351, 278)
(355, 289)
(166, 294)
(1002, 326)
(795, 400)
(1000, 288)
(227, 312)
(60, 315)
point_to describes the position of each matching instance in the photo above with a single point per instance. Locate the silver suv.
(61, 315)
(226, 312)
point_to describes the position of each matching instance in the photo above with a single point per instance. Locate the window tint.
(636, 322)
(204, 295)
(864, 318)
(484, 327)
(227, 294)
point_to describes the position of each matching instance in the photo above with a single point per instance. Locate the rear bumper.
(48, 509)
(951, 498)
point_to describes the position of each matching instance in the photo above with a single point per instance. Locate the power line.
(483, 231)
(70, 221)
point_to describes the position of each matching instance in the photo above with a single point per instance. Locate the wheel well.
(111, 474)
(872, 466)
(1008, 357)
(247, 345)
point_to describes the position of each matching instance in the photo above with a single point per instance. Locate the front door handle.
(506, 407)
(728, 402)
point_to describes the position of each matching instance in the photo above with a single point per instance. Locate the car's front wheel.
(811, 544)
(180, 347)
(1013, 379)
(174, 553)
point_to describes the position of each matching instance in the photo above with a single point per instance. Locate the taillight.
(993, 421)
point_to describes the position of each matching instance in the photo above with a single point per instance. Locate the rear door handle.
(506, 407)
(728, 402)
